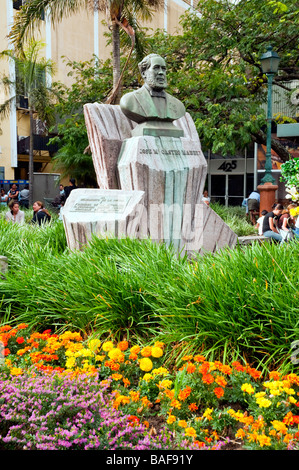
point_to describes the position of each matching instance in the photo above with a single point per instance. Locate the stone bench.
(249, 239)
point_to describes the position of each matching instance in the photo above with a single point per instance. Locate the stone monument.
(101, 212)
(150, 144)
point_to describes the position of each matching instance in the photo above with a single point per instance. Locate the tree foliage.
(91, 82)
(214, 66)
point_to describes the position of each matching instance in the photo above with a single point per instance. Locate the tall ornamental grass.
(240, 303)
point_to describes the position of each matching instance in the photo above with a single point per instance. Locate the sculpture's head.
(153, 71)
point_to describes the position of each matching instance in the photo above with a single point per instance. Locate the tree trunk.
(116, 58)
(31, 150)
(261, 138)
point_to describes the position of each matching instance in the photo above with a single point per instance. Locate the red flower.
(20, 340)
(6, 352)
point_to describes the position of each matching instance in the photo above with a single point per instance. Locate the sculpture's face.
(155, 75)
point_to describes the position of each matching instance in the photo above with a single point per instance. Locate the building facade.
(78, 38)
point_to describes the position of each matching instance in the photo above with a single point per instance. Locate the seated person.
(14, 215)
(269, 229)
(40, 214)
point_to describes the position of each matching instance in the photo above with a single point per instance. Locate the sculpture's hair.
(146, 62)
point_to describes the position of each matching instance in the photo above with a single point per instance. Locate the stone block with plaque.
(101, 212)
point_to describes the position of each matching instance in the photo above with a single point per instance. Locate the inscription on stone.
(147, 151)
(102, 204)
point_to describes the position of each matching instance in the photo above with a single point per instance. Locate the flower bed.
(60, 392)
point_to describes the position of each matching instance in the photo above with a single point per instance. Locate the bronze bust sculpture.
(151, 104)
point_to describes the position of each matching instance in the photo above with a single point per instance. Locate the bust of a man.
(150, 103)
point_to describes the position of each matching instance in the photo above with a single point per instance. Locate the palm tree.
(31, 73)
(117, 11)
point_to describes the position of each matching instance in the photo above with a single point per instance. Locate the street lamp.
(269, 64)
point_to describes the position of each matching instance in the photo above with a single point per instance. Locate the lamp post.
(269, 63)
(267, 188)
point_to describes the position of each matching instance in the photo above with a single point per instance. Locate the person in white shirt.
(14, 215)
(259, 222)
(205, 198)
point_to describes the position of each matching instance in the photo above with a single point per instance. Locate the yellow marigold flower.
(248, 388)
(171, 419)
(263, 402)
(16, 371)
(70, 362)
(157, 352)
(147, 377)
(107, 346)
(94, 344)
(165, 383)
(260, 394)
(159, 344)
(145, 364)
(263, 440)
(207, 413)
(279, 426)
(116, 355)
(182, 423)
(146, 351)
(190, 432)
(289, 391)
(292, 400)
(160, 371)
(100, 358)
(86, 352)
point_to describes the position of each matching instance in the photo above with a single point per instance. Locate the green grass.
(236, 219)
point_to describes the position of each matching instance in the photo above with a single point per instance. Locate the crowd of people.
(279, 224)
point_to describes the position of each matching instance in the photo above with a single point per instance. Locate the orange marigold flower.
(6, 352)
(255, 374)
(219, 392)
(20, 340)
(133, 356)
(183, 394)
(146, 351)
(175, 404)
(126, 382)
(236, 365)
(199, 444)
(208, 379)
(5, 328)
(193, 407)
(123, 345)
(225, 369)
(190, 368)
(190, 432)
(240, 434)
(199, 358)
(221, 381)
(274, 375)
(22, 326)
(116, 376)
(187, 358)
